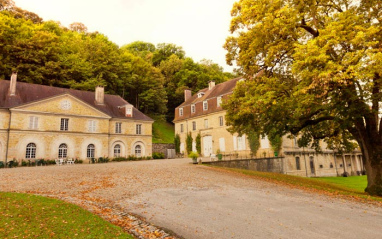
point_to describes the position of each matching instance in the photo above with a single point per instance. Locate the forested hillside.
(151, 77)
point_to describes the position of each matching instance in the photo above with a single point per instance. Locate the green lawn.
(31, 216)
(345, 186)
(356, 183)
(163, 132)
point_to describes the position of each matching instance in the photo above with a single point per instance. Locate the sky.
(199, 26)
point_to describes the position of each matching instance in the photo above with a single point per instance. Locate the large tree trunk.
(372, 153)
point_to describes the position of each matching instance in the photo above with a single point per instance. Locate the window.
(33, 122)
(90, 151)
(193, 125)
(62, 151)
(218, 101)
(138, 151)
(221, 123)
(92, 126)
(31, 151)
(241, 142)
(193, 108)
(180, 111)
(118, 127)
(200, 94)
(206, 123)
(264, 142)
(129, 112)
(117, 150)
(298, 166)
(64, 124)
(331, 165)
(138, 129)
(181, 128)
(205, 105)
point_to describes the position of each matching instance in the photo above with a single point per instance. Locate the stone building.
(38, 121)
(202, 114)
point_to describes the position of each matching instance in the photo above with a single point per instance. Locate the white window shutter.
(243, 142)
(35, 122)
(234, 143)
(222, 144)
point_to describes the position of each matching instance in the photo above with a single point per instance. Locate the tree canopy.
(150, 77)
(313, 69)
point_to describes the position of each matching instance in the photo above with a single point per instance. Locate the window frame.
(64, 126)
(62, 151)
(218, 101)
(193, 109)
(118, 127)
(205, 105)
(180, 111)
(30, 152)
(181, 128)
(193, 125)
(298, 163)
(221, 121)
(92, 126)
(90, 151)
(117, 151)
(138, 150)
(33, 122)
(138, 129)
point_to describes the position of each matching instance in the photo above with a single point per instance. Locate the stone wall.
(162, 148)
(275, 165)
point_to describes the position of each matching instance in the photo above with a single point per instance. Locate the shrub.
(177, 143)
(158, 155)
(103, 160)
(193, 155)
(198, 142)
(189, 143)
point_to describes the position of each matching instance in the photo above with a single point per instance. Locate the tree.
(165, 50)
(313, 68)
(78, 27)
(189, 141)
(177, 143)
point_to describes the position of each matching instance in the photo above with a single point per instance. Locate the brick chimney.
(211, 85)
(99, 95)
(187, 94)
(12, 87)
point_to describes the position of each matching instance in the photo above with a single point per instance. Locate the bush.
(103, 160)
(80, 161)
(158, 155)
(193, 155)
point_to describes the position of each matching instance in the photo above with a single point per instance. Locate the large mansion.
(38, 121)
(203, 114)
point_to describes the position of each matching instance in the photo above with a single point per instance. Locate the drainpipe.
(9, 131)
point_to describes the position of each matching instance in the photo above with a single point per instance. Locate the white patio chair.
(70, 161)
(213, 157)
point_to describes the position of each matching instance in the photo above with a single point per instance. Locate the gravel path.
(195, 201)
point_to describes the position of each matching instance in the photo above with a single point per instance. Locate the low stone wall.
(274, 165)
(162, 148)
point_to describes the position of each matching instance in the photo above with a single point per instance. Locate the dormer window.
(128, 110)
(205, 105)
(180, 111)
(218, 101)
(193, 108)
(200, 94)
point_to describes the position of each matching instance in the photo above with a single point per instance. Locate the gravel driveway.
(195, 201)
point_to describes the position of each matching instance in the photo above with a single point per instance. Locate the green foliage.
(103, 160)
(313, 69)
(189, 141)
(163, 132)
(51, 218)
(193, 155)
(198, 141)
(158, 155)
(177, 143)
(254, 142)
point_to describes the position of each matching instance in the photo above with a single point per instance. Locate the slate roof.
(28, 93)
(223, 89)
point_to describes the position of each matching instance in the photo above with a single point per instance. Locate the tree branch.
(295, 130)
(308, 28)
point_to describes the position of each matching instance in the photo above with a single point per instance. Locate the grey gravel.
(195, 201)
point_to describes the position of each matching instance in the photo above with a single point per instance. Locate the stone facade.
(91, 128)
(202, 114)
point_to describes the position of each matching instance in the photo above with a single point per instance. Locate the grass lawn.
(356, 183)
(352, 187)
(163, 132)
(31, 216)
